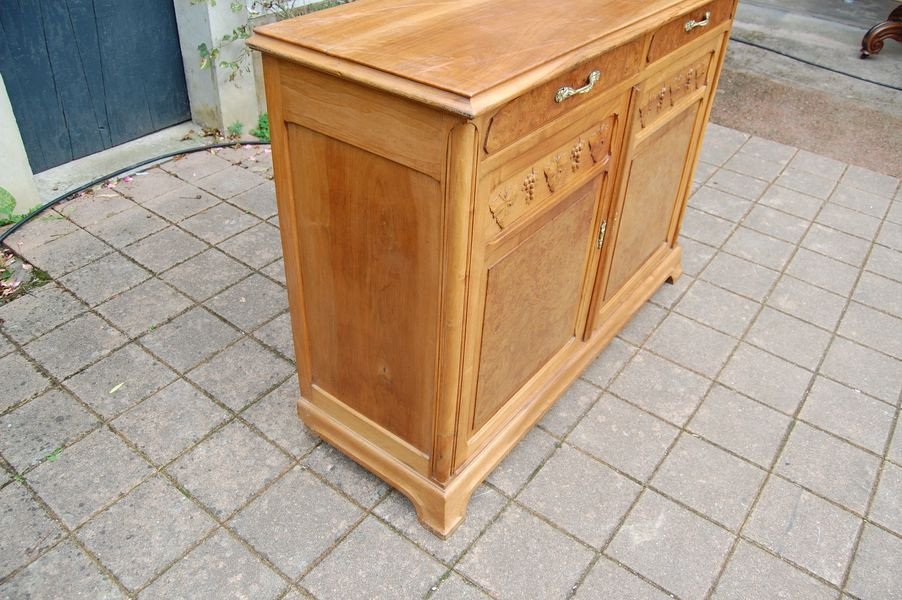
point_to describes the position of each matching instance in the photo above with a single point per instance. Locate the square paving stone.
(37, 428)
(606, 576)
(715, 202)
(895, 447)
(145, 531)
(661, 387)
(259, 201)
(817, 164)
(740, 425)
(385, 566)
(64, 572)
(738, 184)
(190, 339)
(860, 200)
(654, 538)
(196, 165)
(218, 223)
(484, 506)
(228, 468)
(867, 179)
(342, 472)
(37, 312)
(753, 573)
(242, 373)
(706, 228)
(624, 436)
(165, 249)
(170, 421)
(643, 323)
(456, 587)
(128, 226)
(792, 202)
(94, 207)
(6, 346)
(849, 414)
(275, 271)
(256, 247)
(669, 293)
(789, 338)
(277, 335)
(209, 272)
(88, 476)
(230, 182)
(769, 150)
(603, 369)
(27, 530)
(144, 307)
(250, 303)
(755, 166)
(522, 462)
(887, 507)
(695, 255)
(759, 248)
(721, 143)
(776, 224)
(875, 572)
(849, 221)
(85, 339)
(829, 467)
(569, 408)
(580, 495)
(219, 568)
(782, 385)
(809, 303)
(894, 215)
(147, 185)
(38, 232)
(276, 416)
(890, 235)
(181, 202)
(807, 182)
(823, 271)
(120, 380)
(297, 507)
(717, 308)
(880, 292)
(709, 480)
(104, 278)
(740, 276)
(21, 380)
(521, 556)
(864, 369)
(836, 244)
(68, 253)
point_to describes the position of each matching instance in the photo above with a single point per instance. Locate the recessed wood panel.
(675, 34)
(369, 232)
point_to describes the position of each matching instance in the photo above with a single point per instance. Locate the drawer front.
(688, 27)
(663, 94)
(537, 107)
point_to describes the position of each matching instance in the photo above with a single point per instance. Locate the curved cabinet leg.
(891, 29)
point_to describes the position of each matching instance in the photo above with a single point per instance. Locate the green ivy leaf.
(7, 203)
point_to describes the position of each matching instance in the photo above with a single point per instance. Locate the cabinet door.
(533, 294)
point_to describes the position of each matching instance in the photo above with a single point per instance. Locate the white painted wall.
(15, 171)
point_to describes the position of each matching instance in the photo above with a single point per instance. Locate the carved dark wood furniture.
(891, 29)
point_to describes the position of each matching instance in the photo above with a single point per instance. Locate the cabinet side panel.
(369, 232)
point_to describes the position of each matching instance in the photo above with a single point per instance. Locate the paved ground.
(738, 439)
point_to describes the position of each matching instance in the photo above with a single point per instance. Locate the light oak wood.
(458, 244)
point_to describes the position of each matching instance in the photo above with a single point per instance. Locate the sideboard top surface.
(460, 49)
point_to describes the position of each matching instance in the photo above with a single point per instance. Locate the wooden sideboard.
(475, 196)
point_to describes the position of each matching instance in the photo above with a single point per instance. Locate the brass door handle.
(692, 23)
(566, 92)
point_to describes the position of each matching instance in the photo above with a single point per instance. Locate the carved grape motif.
(529, 186)
(576, 156)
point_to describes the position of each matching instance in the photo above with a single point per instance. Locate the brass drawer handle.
(692, 23)
(566, 92)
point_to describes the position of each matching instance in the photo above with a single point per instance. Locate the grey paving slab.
(823, 271)
(67, 253)
(740, 276)
(85, 339)
(142, 308)
(875, 572)
(879, 292)
(755, 166)
(521, 556)
(721, 143)
(88, 475)
(40, 231)
(94, 207)
(162, 522)
(753, 573)
(297, 507)
(165, 249)
(864, 369)
(38, 311)
(836, 244)
(38, 428)
(661, 387)
(169, 421)
(759, 248)
(789, 338)
(603, 369)
(181, 202)
(644, 322)
(726, 206)
(894, 214)
(867, 179)
(895, 447)
(120, 380)
(776, 223)
(607, 576)
(807, 182)
(28, 531)
(717, 308)
(275, 271)
(669, 293)
(277, 417)
(228, 468)
(792, 202)
(484, 506)
(759, 147)
(709, 480)
(278, 336)
(740, 425)
(259, 200)
(242, 373)
(807, 302)
(190, 338)
(230, 182)
(456, 587)
(886, 509)
(148, 184)
(6, 346)
(890, 235)
(514, 471)
(64, 572)
(653, 542)
(196, 165)
(569, 408)
(250, 303)
(220, 567)
(804, 529)
(624, 436)
(848, 221)
(385, 565)
(127, 227)
(696, 256)
(256, 247)
(209, 272)
(21, 380)
(738, 184)
(342, 472)
(706, 228)
(218, 223)
(819, 165)
(849, 414)
(580, 495)
(104, 278)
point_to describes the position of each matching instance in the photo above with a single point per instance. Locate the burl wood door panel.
(369, 230)
(532, 300)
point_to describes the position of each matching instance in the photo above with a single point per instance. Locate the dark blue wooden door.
(85, 75)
